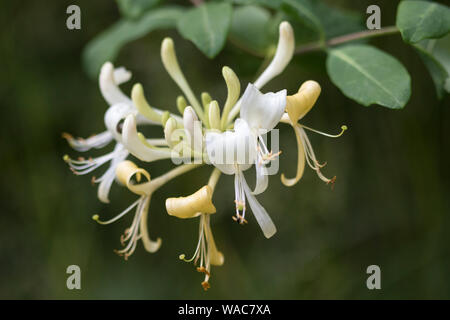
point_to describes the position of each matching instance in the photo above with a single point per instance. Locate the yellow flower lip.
(126, 170)
(193, 205)
(299, 104)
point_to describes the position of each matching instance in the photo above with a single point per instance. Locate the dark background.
(390, 205)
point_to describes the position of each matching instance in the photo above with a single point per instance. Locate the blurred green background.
(390, 205)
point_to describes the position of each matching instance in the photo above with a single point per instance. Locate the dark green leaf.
(135, 8)
(436, 63)
(303, 11)
(369, 76)
(337, 21)
(418, 20)
(250, 28)
(106, 45)
(274, 4)
(207, 26)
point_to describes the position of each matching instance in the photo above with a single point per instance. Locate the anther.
(67, 136)
(205, 285)
(331, 182)
(203, 270)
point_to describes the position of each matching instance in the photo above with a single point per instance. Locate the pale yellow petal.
(234, 90)
(216, 257)
(126, 170)
(137, 95)
(299, 104)
(149, 245)
(300, 161)
(191, 206)
(214, 115)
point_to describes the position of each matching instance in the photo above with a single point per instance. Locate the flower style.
(203, 132)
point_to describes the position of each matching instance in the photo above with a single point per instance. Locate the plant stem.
(197, 2)
(316, 46)
(161, 180)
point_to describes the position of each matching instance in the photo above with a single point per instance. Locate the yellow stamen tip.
(182, 256)
(66, 158)
(344, 127)
(95, 217)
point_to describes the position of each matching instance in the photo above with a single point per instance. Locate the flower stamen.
(343, 129)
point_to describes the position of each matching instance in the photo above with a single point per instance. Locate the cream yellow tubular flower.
(282, 57)
(140, 147)
(297, 106)
(137, 95)
(170, 62)
(234, 90)
(169, 128)
(214, 115)
(206, 100)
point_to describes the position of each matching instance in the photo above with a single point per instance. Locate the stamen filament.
(120, 215)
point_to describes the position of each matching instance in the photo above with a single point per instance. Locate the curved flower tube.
(138, 147)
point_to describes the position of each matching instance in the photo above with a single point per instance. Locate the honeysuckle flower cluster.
(231, 139)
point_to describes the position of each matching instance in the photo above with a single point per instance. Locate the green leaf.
(337, 21)
(369, 76)
(107, 44)
(135, 8)
(418, 20)
(303, 11)
(437, 63)
(250, 28)
(207, 26)
(273, 4)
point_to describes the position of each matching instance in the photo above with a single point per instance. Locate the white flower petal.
(105, 185)
(136, 147)
(262, 177)
(214, 144)
(109, 86)
(97, 141)
(232, 149)
(261, 215)
(114, 115)
(108, 177)
(121, 75)
(262, 111)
